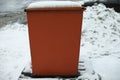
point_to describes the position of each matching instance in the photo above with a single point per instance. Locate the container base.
(27, 74)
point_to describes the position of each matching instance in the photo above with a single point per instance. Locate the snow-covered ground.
(14, 50)
(99, 45)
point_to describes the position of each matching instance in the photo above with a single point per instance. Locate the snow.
(100, 46)
(42, 79)
(109, 67)
(13, 5)
(48, 4)
(101, 31)
(100, 41)
(20, 5)
(14, 51)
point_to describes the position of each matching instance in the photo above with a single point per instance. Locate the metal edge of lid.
(56, 9)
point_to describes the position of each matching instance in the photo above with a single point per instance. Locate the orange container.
(55, 40)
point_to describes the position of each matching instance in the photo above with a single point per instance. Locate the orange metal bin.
(55, 40)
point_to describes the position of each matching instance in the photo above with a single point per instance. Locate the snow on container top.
(54, 5)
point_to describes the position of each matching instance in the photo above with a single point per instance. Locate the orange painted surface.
(55, 41)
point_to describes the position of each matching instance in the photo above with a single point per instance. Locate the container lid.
(54, 5)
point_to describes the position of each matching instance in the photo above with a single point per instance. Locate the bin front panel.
(55, 42)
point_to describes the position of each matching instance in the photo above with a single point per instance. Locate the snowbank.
(101, 31)
(43, 4)
(101, 41)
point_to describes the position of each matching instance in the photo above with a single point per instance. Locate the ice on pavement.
(49, 4)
